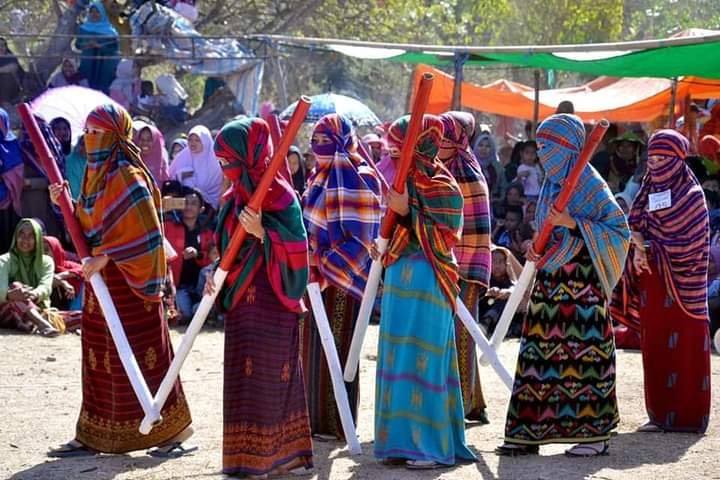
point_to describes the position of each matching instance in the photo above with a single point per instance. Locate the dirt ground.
(40, 398)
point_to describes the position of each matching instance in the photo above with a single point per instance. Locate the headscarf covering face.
(599, 218)
(204, 166)
(473, 249)
(435, 202)
(119, 203)
(11, 166)
(245, 145)
(155, 159)
(27, 267)
(679, 235)
(341, 208)
(102, 27)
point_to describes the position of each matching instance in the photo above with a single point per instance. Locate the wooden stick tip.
(428, 76)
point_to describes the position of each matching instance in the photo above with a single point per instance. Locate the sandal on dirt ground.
(171, 450)
(73, 448)
(393, 461)
(423, 465)
(516, 450)
(588, 450)
(649, 428)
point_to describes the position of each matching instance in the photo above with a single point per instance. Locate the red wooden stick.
(422, 97)
(278, 160)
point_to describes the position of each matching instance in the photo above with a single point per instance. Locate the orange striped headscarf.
(119, 205)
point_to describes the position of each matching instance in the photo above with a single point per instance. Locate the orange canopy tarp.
(616, 99)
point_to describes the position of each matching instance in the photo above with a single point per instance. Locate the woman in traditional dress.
(97, 39)
(118, 212)
(564, 390)
(419, 415)
(152, 149)
(197, 167)
(26, 276)
(341, 207)
(472, 251)
(266, 424)
(663, 294)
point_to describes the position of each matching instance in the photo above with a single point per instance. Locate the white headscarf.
(206, 175)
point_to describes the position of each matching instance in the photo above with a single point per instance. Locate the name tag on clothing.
(659, 201)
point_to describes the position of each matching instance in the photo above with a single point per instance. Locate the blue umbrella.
(355, 111)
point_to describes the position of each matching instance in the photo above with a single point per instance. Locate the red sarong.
(676, 360)
(111, 414)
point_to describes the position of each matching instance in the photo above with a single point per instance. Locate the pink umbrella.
(73, 103)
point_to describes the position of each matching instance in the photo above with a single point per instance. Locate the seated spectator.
(514, 196)
(507, 234)
(566, 106)
(152, 149)
(68, 75)
(126, 87)
(486, 153)
(529, 218)
(529, 172)
(624, 201)
(178, 145)
(504, 274)
(171, 100)
(11, 75)
(197, 166)
(26, 276)
(63, 133)
(67, 279)
(624, 161)
(147, 103)
(195, 249)
(297, 169)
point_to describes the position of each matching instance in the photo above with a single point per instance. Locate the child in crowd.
(147, 102)
(529, 173)
(505, 271)
(507, 234)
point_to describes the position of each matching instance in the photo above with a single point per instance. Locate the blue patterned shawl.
(599, 218)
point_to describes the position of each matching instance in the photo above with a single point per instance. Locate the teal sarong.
(418, 402)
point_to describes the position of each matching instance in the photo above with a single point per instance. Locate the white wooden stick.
(124, 350)
(482, 342)
(183, 350)
(333, 361)
(366, 308)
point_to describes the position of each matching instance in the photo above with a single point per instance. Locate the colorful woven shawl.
(436, 204)
(473, 249)
(679, 236)
(119, 204)
(599, 218)
(341, 208)
(245, 144)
